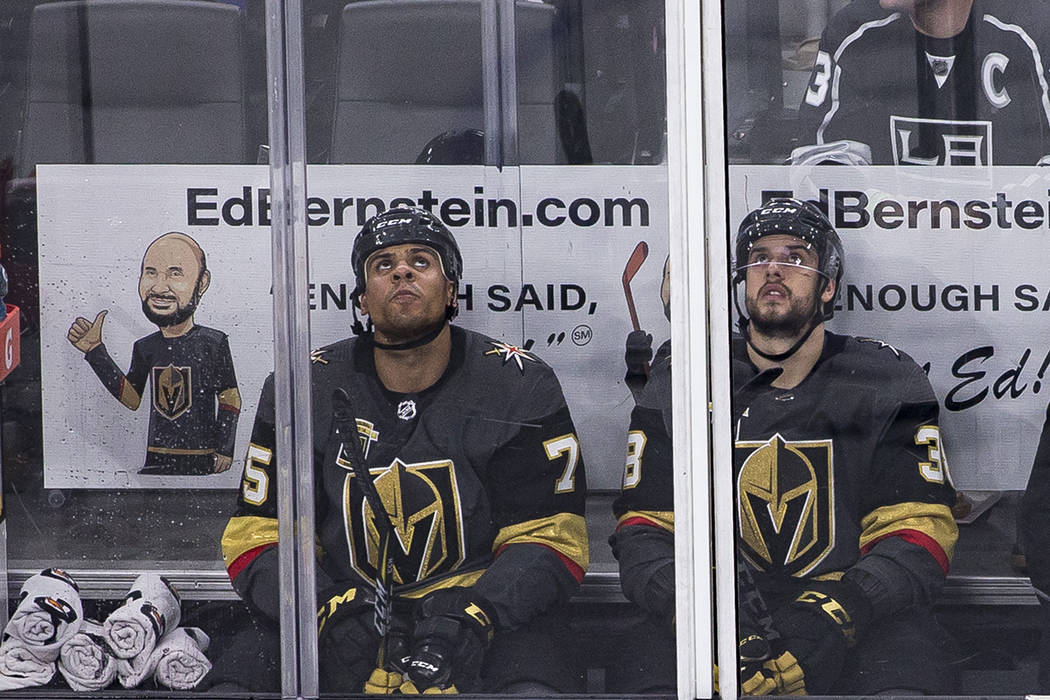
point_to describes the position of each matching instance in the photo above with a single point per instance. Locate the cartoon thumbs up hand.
(86, 335)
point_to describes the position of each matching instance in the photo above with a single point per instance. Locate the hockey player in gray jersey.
(473, 453)
(843, 490)
(929, 82)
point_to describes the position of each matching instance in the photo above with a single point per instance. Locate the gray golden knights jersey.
(482, 461)
(849, 458)
(979, 98)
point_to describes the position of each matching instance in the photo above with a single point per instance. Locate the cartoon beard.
(180, 314)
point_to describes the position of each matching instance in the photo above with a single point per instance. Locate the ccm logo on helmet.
(392, 222)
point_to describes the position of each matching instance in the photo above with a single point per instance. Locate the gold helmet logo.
(423, 505)
(785, 501)
(173, 393)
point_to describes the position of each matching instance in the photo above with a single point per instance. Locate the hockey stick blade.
(634, 263)
(346, 430)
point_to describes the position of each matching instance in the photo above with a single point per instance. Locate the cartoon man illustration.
(195, 402)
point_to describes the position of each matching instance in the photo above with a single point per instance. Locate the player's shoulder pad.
(507, 368)
(878, 357)
(334, 354)
(503, 356)
(867, 14)
(211, 334)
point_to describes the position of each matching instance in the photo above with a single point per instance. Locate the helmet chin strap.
(780, 356)
(745, 329)
(408, 345)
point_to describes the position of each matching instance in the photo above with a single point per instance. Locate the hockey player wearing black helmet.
(473, 454)
(843, 489)
(790, 261)
(415, 265)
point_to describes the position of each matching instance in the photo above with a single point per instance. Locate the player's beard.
(793, 323)
(180, 314)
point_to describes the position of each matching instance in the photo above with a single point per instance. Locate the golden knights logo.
(423, 502)
(172, 390)
(785, 497)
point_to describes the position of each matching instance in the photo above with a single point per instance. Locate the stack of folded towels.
(140, 640)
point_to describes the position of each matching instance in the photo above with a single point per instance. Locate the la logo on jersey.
(941, 141)
(786, 503)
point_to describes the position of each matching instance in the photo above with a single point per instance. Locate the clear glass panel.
(596, 93)
(843, 459)
(129, 132)
(467, 435)
(383, 79)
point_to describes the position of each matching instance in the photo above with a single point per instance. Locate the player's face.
(406, 292)
(781, 285)
(170, 283)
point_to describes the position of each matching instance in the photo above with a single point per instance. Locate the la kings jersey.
(979, 98)
(847, 462)
(482, 461)
(193, 414)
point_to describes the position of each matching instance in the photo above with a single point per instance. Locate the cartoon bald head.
(174, 275)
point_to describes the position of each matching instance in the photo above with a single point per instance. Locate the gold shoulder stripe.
(931, 519)
(244, 533)
(663, 518)
(230, 397)
(565, 533)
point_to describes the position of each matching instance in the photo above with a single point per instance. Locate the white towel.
(85, 661)
(150, 610)
(131, 672)
(21, 666)
(180, 659)
(49, 613)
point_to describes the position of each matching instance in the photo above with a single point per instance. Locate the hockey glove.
(346, 639)
(452, 631)
(639, 352)
(819, 627)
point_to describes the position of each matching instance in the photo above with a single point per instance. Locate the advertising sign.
(130, 402)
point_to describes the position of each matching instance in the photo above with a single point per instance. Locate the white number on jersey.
(569, 446)
(936, 469)
(632, 470)
(818, 84)
(256, 480)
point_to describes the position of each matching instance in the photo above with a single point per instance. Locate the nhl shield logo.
(172, 390)
(785, 501)
(423, 502)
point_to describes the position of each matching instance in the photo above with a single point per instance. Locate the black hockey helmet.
(406, 225)
(454, 147)
(803, 220)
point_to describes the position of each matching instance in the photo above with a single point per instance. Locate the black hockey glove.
(818, 628)
(639, 352)
(452, 630)
(346, 639)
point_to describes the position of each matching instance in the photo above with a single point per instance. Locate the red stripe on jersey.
(247, 558)
(574, 569)
(227, 407)
(919, 538)
(639, 520)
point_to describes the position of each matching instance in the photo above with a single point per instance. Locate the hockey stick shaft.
(634, 263)
(346, 429)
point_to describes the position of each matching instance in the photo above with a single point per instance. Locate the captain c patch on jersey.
(785, 497)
